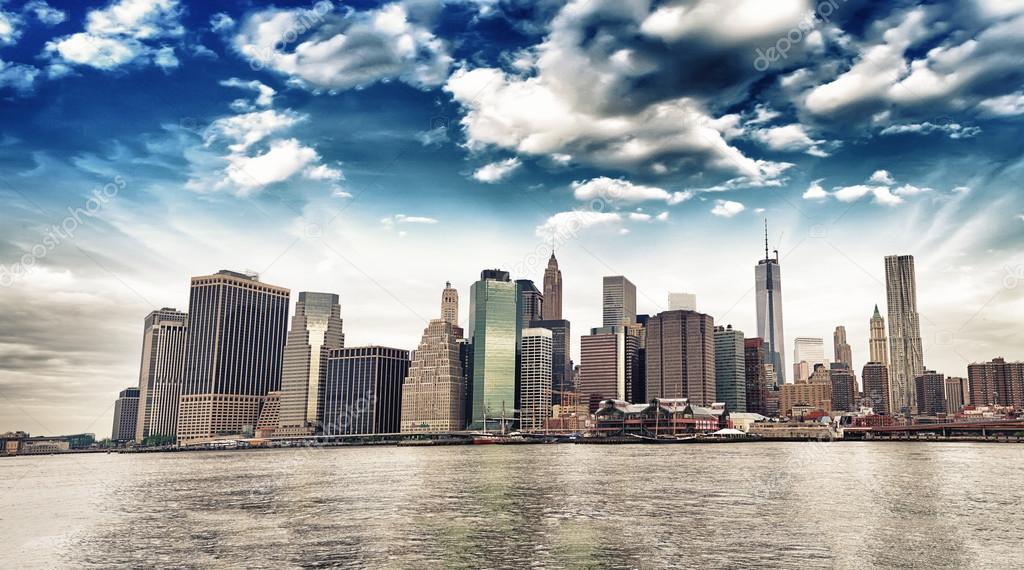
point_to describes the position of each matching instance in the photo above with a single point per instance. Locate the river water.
(789, 505)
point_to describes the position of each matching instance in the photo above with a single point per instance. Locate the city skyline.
(124, 177)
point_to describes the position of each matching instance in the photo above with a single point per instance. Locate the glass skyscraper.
(363, 391)
(163, 362)
(768, 295)
(316, 329)
(494, 331)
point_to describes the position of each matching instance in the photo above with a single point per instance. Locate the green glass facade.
(494, 330)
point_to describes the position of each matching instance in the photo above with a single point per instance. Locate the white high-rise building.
(619, 301)
(163, 361)
(878, 345)
(682, 302)
(434, 392)
(316, 329)
(535, 387)
(906, 353)
(810, 350)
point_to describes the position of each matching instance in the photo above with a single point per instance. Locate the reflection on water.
(847, 505)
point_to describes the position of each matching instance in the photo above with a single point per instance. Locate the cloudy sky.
(378, 150)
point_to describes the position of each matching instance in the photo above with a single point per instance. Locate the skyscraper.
(730, 368)
(844, 387)
(755, 375)
(535, 386)
(996, 383)
(433, 395)
(682, 302)
(958, 394)
(841, 348)
(494, 331)
(878, 345)
(552, 290)
(126, 413)
(531, 302)
(681, 357)
(768, 286)
(363, 391)
(450, 304)
(236, 335)
(608, 357)
(875, 376)
(930, 388)
(906, 355)
(619, 301)
(561, 354)
(316, 330)
(163, 362)
(810, 350)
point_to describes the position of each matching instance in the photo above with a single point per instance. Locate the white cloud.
(18, 77)
(789, 138)
(9, 30)
(815, 191)
(1004, 105)
(45, 13)
(250, 128)
(639, 217)
(727, 208)
(116, 36)
(391, 221)
(221, 22)
(323, 172)
(97, 51)
(953, 130)
(344, 49)
(961, 190)
(910, 190)
(284, 159)
(264, 93)
(622, 190)
(497, 171)
(881, 194)
(564, 225)
(882, 177)
(165, 58)
(662, 217)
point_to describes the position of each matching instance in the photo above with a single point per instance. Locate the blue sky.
(377, 150)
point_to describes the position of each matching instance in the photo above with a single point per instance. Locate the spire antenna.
(766, 238)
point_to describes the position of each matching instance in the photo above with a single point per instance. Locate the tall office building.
(768, 294)
(681, 357)
(608, 365)
(363, 391)
(906, 360)
(844, 387)
(126, 413)
(958, 394)
(618, 301)
(561, 354)
(810, 350)
(433, 395)
(535, 385)
(730, 368)
(531, 302)
(930, 388)
(801, 371)
(877, 394)
(996, 383)
(316, 330)
(682, 302)
(878, 344)
(236, 335)
(552, 290)
(494, 331)
(450, 304)
(163, 362)
(841, 348)
(637, 388)
(755, 351)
